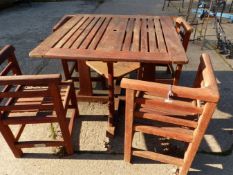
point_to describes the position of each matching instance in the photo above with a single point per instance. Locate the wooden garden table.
(112, 38)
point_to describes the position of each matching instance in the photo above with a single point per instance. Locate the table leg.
(111, 126)
(177, 74)
(84, 79)
(148, 71)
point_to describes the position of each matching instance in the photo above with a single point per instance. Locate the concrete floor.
(25, 26)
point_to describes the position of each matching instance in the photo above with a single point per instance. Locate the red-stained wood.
(94, 43)
(128, 35)
(183, 117)
(85, 33)
(184, 30)
(175, 49)
(110, 34)
(128, 125)
(159, 36)
(111, 38)
(152, 36)
(80, 29)
(84, 79)
(111, 94)
(144, 36)
(136, 35)
(156, 156)
(34, 99)
(62, 42)
(167, 132)
(99, 55)
(92, 33)
(163, 118)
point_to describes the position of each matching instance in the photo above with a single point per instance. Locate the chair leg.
(189, 156)
(177, 74)
(61, 116)
(129, 125)
(66, 135)
(10, 139)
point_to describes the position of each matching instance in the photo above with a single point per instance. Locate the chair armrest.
(30, 80)
(186, 25)
(5, 52)
(62, 21)
(205, 94)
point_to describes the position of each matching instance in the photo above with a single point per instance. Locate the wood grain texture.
(114, 38)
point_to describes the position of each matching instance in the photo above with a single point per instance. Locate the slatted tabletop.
(114, 38)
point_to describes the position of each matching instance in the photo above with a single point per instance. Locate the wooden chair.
(178, 113)
(33, 99)
(184, 30)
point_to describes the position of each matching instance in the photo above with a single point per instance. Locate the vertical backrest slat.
(184, 30)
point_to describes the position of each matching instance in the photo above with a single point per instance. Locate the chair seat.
(120, 68)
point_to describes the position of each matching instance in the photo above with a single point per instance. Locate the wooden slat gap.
(101, 36)
(88, 32)
(81, 31)
(68, 32)
(91, 39)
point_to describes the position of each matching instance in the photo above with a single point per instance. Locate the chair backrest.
(184, 29)
(14, 85)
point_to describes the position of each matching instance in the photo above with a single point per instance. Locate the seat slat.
(166, 119)
(174, 105)
(23, 107)
(32, 144)
(158, 157)
(19, 94)
(168, 132)
(29, 120)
